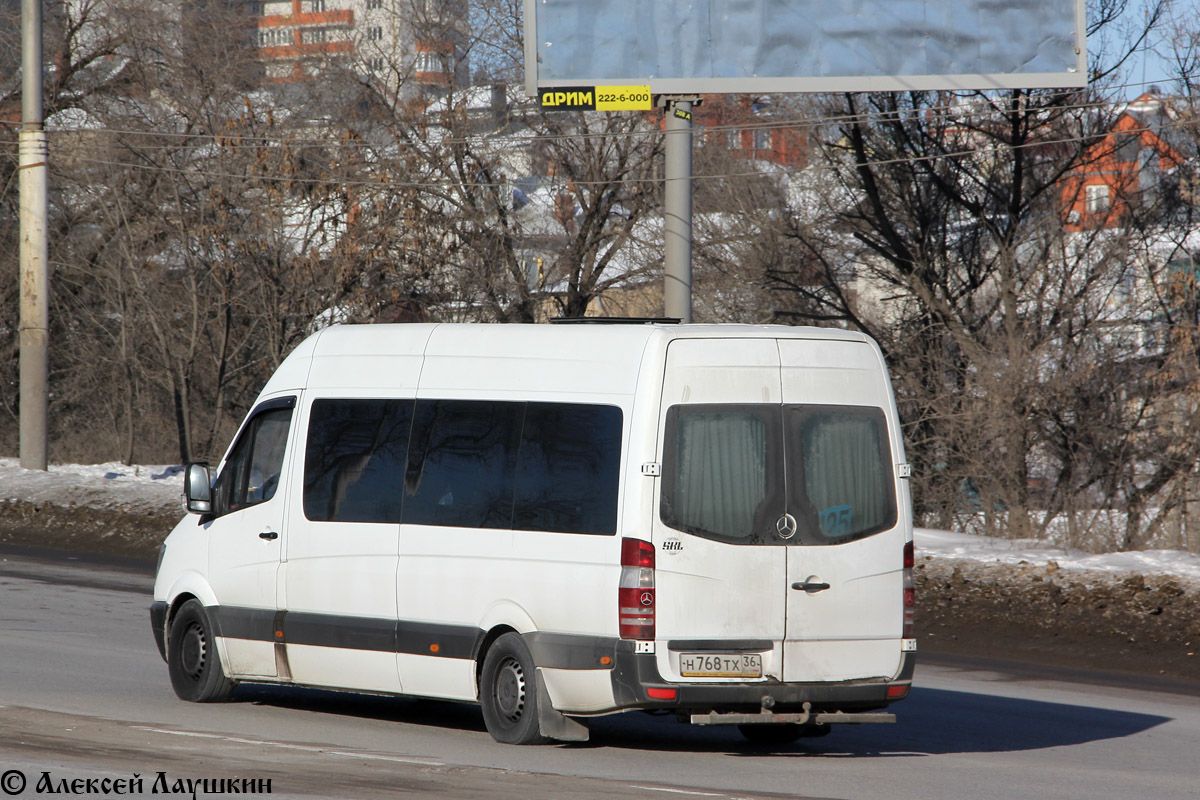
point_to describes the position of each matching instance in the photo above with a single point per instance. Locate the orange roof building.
(1123, 170)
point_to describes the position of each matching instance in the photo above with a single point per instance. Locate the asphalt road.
(85, 699)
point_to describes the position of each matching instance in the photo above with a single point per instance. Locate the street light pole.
(34, 324)
(677, 209)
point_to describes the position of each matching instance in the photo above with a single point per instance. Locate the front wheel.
(508, 692)
(192, 658)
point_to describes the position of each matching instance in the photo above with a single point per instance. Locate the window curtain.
(843, 473)
(721, 472)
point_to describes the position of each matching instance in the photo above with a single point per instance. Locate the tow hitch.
(805, 717)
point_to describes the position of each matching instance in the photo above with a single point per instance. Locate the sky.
(1148, 66)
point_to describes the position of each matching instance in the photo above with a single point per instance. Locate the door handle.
(811, 586)
(268, 535)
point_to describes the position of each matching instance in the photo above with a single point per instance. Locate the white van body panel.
(343, 668)
(508, 579)
(338, 570)
(851, 630)
(711, 590)
(343, 570)
(400, 607)
(377, 359)
(293, 373)
(722, 371)
(447, 678)
(742, 592)
(185, 563)
(579, 691)
(243, 566)
(529, 362)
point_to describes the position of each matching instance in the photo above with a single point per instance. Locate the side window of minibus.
(355, 458)
(568, 469)
(462, 463)
(251, 473)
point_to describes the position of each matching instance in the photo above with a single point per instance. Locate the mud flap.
(553, 724)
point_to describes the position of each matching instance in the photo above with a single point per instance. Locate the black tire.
(508, 692)
(781, 733)
(192, 658)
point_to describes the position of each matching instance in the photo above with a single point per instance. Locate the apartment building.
(751, 128)
(417, 44)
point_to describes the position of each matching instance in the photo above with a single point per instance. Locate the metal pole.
(677, 210)
(34, 322)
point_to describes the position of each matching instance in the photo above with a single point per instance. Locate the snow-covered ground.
(112, 486)
(116, 487)
(947, 544)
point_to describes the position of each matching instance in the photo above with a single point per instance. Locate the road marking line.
(425, 762)
(679, 791)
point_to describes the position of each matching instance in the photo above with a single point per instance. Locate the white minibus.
(558, 522)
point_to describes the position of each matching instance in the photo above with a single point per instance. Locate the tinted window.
(462, 463)
(531, 466)
(568, 469)
(722, 466)
(846, 473)
(731, 472)
(355, 459)
(251, 473)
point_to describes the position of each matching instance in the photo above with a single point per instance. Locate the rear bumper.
(635, 674)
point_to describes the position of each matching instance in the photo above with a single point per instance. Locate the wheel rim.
(193, 651)
(510, 690)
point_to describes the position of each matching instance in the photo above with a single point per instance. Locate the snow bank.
(947, 544)
(112, 486)
(116, 487)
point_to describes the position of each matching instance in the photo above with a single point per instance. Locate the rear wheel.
(781, 733)
(192, 658)
(508, 692)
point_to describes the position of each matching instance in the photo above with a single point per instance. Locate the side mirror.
(197, 489)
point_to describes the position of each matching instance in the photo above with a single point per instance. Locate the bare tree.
(195, 218)
(500, 212)
(1028, 387)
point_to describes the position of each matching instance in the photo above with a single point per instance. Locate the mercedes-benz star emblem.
(785, 526)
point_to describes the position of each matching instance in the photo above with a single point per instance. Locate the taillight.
(910, 592)
(635, 597)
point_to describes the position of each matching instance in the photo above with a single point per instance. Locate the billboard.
(736, 46)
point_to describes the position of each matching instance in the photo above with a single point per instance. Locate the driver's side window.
(252, 471)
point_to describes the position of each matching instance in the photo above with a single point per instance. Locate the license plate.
(720, 665)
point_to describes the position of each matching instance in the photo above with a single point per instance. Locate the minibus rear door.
(719, 578)
(845, 569)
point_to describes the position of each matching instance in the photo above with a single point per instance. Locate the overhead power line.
(382, 180)
(992, 104)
